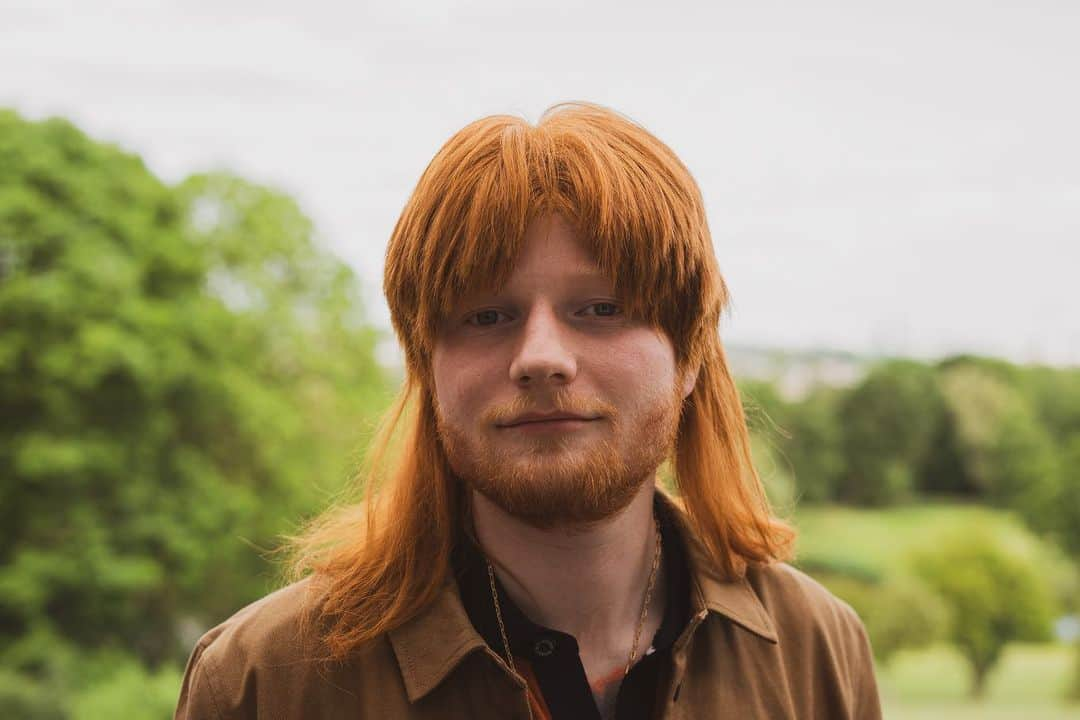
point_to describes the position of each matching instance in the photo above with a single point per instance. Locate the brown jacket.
(776, 645)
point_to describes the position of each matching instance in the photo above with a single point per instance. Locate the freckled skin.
(555, 338)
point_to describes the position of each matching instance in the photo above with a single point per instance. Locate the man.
(556, 293)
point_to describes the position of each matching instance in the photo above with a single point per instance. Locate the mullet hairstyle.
(382, 559)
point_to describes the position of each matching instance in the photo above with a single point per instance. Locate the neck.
(588, 582)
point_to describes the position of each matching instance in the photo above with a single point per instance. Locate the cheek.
(459, 384)
(637, 369)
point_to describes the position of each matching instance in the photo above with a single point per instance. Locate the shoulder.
(267, 631)
(797, 603)
(222, 674)
(818, 630)
(267, 655)
(807, 615)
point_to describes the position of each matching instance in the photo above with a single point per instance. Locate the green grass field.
(1029, 684)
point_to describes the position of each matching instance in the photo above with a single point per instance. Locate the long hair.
(381, 560)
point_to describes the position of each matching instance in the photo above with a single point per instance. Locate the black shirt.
(553, 655)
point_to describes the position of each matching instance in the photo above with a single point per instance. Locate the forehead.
(551, 255)
(553, 245)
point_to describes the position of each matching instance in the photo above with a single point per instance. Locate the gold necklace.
(641, 623)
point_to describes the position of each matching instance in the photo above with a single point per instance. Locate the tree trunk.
(978, 681)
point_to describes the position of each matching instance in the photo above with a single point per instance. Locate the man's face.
(550, 401)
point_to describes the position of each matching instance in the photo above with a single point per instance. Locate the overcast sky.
(897, 177)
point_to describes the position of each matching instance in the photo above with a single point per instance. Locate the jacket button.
(544, 647)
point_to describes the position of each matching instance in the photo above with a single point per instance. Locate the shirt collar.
(429, 646)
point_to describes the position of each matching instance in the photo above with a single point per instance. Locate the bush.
(904, 614)
(899, 612)
(24, 698)
(130, 691)
(993, 595)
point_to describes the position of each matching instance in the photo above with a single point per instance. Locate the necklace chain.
(498, 616)
(641, 623)
(648, 598)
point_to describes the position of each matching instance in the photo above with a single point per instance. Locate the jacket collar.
(434, 642)
(429, 646)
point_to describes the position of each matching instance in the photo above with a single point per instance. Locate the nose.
(543, 356)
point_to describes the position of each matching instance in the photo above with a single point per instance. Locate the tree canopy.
(183, 371)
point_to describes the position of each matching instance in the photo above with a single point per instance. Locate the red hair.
(382, 559)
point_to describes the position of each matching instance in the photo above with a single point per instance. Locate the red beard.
(572, 478)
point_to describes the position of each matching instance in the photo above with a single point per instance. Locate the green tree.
(1065, 513)
(815, 444)
(1006, 454)
(766, 413)
(1055, 395)
(993, 594)
(888, 421)
(774, 472)
(182, 374)
(799, 442)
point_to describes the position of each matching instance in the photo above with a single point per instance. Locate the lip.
(548, 420)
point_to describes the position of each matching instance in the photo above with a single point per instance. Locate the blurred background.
(195, 200)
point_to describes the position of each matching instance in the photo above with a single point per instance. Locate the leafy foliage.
(182, 372)
(887, 427)
(993, 594)
(800, 442)
(1002, 446)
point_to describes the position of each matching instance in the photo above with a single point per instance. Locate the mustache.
(561, 401)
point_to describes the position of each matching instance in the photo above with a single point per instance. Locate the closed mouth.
(545, 420)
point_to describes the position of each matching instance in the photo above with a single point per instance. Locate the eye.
(603, 309)
(484, 318)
